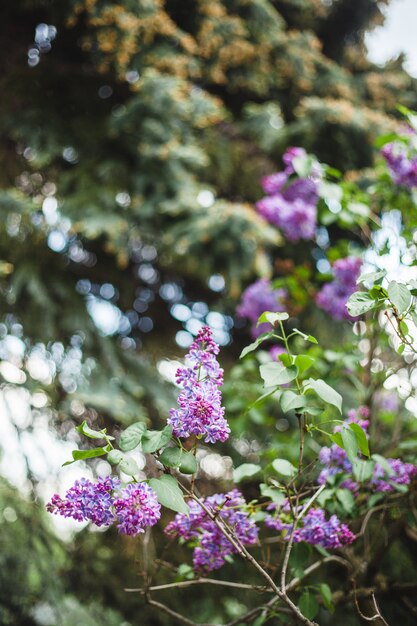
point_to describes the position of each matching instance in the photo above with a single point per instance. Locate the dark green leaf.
(272, 318)
(363, 470)
(325, 392)
(244, 471)
(284, 467)
(399, 296)
(169, 494)
(350, 443)
(115, 456)
(153, 440)
(361, 438)
(253, 346)
(188, 463)
(290, 401)
(274, 494)
(360, 302)
(84, 429)
(129, 466)
(346, 499)
(81, 455)
(326, 594)
(382, 461)
(303, 362)
(171, 457)
(132, 436)
(277, 374)
(308, 605)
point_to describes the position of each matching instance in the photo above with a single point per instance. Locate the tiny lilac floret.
(199, 409)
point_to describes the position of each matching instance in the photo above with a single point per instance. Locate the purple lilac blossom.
(136, 508)
(200, 412)
(87, 501)
(291, 205)
(211, 546)
(402, 163)
(315, 529)
(333, 296)
(132, 508)
(258, 298)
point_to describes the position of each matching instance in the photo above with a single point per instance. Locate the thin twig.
(202, 581)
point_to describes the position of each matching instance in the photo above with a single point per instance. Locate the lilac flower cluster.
(338, 465)
(211, 546)
(257, 298)
(315, 529)
(333, 296)
(402, 163)
(133, 508)
(290, 204)
(200, 412)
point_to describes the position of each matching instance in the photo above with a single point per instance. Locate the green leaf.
(326, 594)
(399, 296)
(129, 466)
(350, 443)
(360, 302)
(309, 338)
(361, 438)
(153, 440)
(303, 362)
(371, 277)
(253, 346)
(171, 457)
(383, 139)
(272, 318)
(274, 494)
(115, 456)
(244, 471)
(284, 467)
(346, 499)
(132, 436)
(325, 392)
(169, 494)
(188, 463)
(337, 439)
(382, 461)
(290, 401)
(81, 455)
(275, 373)
(308, 605)
(363, 470)
(84, 429)
(326, 494)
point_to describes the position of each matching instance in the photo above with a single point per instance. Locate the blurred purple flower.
(333, 296)
(258, 298)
